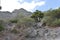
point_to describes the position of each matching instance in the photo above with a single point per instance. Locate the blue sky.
(30, 5)
(50, 4)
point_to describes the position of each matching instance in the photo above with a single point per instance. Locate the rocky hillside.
(22, 11)
(15, 13)
(5, 14)
(36, 32)
(25, 28)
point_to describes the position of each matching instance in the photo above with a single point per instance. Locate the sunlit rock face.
(45, 34)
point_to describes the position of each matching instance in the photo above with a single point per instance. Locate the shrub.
(14, 21)
(56, 23)
(14, 31)
(52, 18)
(25, 22)
(1, 27)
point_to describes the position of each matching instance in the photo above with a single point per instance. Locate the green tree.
(37, 15)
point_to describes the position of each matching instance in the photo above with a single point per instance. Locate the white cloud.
(10, 5)
(56, 7)
(20, 0)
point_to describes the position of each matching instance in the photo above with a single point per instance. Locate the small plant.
(1, 27)
(14, 21)
(14, 31)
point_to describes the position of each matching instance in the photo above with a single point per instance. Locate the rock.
(14, 14)
(31, 32)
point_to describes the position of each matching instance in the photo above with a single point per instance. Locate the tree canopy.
(37, 15)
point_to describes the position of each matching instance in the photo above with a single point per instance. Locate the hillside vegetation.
(24, 25)
(52, 18)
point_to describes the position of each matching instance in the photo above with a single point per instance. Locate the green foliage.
(53, 13)
(14, 21)
(26, 21)
(1, 26)
(20, 15)
(52, 18)
(37, 15)
(56, 23)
